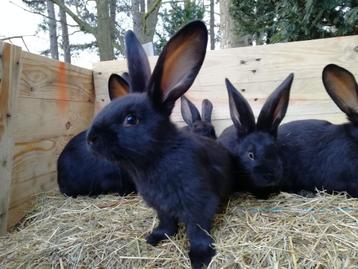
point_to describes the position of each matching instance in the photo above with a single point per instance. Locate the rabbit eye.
(131, 120)
(251, 155)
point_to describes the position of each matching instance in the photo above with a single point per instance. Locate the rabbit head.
(135, 127)
(198, 124)
(256, 149)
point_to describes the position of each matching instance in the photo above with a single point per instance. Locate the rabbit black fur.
(197, 124)
(319, 154)
(182, 176)
(80, 172)
(253, 146)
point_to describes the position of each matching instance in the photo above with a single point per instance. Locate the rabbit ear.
(125, 76)
(206, 110)
(178, 65)
(138, 64)
(275, 107)
(240, 110)
(189, 111)
(117, 86)
(343, 89)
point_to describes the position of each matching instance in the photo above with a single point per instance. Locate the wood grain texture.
(55, 101)
(25, 195)
(10, 68)
(259, 70)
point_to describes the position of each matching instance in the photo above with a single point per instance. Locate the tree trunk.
(230, 32)
(52, 29)
(65, 37)
(103, 31)
(151, 19)
(212, 24)
(144, 22)
(113, 12)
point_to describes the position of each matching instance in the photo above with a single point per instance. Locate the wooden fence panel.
(259, 70)
(55, 101)
(10, 68)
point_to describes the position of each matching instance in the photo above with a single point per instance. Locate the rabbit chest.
(177, 190)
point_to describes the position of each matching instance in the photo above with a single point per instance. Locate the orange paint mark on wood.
(62, 91)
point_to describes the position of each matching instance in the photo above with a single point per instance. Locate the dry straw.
(285, 231)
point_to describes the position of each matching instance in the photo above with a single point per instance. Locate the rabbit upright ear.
(343, 89)
(117, 86)
(275, 107)
(206, 110)
(125, 76)
(189, 111)
(138, 64)
(240, 110)
(178, 65)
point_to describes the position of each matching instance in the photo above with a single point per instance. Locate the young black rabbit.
(80, 172)
(197, 124)
(319, 154)
(254, 146)
(182, 176)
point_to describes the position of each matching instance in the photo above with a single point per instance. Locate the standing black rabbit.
(319, 154)
(80, 172)
(254, 146)
(182, 176)
(197, 124)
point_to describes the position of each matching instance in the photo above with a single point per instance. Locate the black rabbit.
(80, 172)
(253, 145)
(182, 176)
(197, 124)
(319, 154)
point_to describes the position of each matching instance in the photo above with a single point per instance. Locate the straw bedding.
(285, 231)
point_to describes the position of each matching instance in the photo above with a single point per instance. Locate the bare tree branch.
(38, 13)
(81, 23)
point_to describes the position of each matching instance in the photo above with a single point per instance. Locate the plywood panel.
(44, 78)
(55, 101)
(24, 194)
(41, 118)
(36, 157)
(259, 70)
(10, 68)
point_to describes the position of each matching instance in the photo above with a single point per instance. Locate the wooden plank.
(55, 102)
(45, 78)
(40, 118)
(10, 68)
(259, 70)
(36, 157)
(24, 194)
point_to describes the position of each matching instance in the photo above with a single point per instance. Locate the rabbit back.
(318, 154)
(80, 172)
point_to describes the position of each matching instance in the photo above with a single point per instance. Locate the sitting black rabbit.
(319, 154)
(197, 124)
(80, 172)
(253, 145)
(181, 175)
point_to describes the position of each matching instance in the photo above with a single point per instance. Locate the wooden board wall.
(10, 68)
(54, 102)
(257, 71)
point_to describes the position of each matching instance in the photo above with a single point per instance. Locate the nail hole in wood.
(258, 59)
(243, 90)
(8, 115)
(253, 71)
(242, 62)
(68, 125)
(255, 99)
